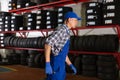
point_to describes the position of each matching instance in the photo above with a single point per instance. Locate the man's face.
(73, 22)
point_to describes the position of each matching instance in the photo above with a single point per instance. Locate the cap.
(71, 15)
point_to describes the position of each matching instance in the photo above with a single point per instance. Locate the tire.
(106, 64)
(89, 56)
(110, 76)
(79, 44)
(71, 42)
(75, 43)
(42, 65)
(77, 64)
(89, 73)
(107, 69)
(39, 42)
(90, 68)
(38, 60)
(88, 61)
(108, 58)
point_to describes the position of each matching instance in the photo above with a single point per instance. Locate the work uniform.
(59, 42)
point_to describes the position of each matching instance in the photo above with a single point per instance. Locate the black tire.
(71, 42)
(110, 76)
(42, 65)
(89, 67)
(38, 60)
(89, 73)
(107, 69)
(78, 64)
(89, 56)
(79, 44)
(107, 58)
(109, 64)
(88, 61)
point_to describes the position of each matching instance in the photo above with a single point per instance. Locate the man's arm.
(48, 68)
(47, 52)
(68, 61)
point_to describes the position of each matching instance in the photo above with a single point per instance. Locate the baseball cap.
(71, 15)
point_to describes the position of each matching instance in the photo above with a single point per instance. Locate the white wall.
(4, 4)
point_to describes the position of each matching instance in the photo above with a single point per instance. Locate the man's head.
(71, 19)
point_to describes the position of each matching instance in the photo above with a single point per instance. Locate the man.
(57, 47)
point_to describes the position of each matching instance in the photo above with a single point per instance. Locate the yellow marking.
(8, 68)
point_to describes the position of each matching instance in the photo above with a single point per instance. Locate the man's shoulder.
(61, 28)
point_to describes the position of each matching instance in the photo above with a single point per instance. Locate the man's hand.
(73, 68)
(48, 68)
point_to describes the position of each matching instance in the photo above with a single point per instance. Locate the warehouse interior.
(94, 44)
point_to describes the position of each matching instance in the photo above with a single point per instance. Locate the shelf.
(71, 51)
(78, 28)
(47, 5)
(42, 30)
(96, 27)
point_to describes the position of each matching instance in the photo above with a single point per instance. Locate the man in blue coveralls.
(57, 47)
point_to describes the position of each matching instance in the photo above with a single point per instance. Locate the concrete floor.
(27, 73)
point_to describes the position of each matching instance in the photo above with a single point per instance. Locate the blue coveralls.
(58, 64)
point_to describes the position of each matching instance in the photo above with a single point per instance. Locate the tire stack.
(42, 1)
(24, 58)
(3, 16)
(100, 43)
(78, 63)
(2, 36)
(89, 67)
(51, 19)
(93, 14)
(107, 67)
(53, 0)
(30, 21)
(13, 58)
(12, 4)
(111, 13)
(39, 60)
(31, 58)
(60, 14)
(8, 23)
(16, 22)
(21, 3)
(30, 4)
(41, 19)
(12, 41)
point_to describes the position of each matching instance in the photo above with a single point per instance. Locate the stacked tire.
(4, 21)
(13, 58)
(21, 3)
(60, 14)
(78, 63)
(40, 60)
(11, 41)
(111, 13)
(107, 67)
(93, 14)
(98, 43)
(41, 19)
(17, 22)
(32, 55)
(12, 4)
(30, 21)
(23, 58)
(89, 67)
(51, 22)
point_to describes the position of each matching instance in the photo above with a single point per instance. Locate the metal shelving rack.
(61, 3)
